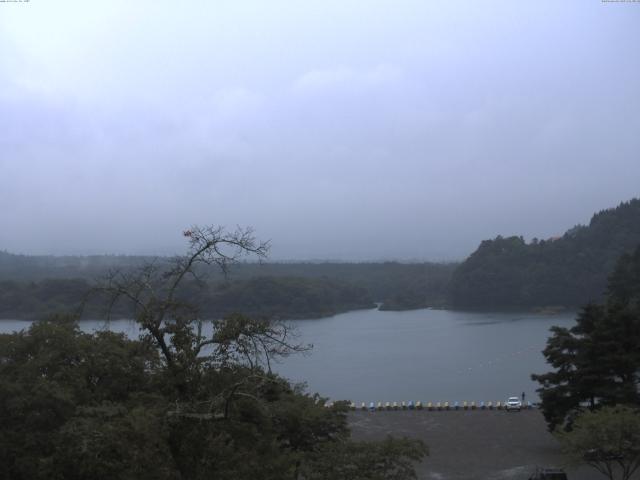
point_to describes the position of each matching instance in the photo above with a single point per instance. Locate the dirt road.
(487, 445)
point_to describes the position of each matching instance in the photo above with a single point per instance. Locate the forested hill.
(32, 287)
(568, 271)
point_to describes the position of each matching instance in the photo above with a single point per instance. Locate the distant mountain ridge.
(568, 271)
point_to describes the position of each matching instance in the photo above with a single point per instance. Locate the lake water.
(427, 355)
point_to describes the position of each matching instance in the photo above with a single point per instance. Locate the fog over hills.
(399, 130)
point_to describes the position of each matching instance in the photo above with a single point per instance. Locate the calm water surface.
(428, 355)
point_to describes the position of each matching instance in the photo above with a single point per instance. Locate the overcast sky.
(337, 129)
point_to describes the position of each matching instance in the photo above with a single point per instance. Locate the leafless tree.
(176, 327)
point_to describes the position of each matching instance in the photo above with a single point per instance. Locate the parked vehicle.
(513, 403)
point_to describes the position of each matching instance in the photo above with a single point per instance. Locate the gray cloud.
(400, 130)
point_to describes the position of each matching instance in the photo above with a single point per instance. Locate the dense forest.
(32, 287)
(568, 271)
(281, 297)
(596, 362)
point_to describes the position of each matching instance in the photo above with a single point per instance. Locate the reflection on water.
(428, 355)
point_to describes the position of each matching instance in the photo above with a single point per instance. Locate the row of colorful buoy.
(437, 406)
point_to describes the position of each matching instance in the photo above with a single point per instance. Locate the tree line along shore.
(503, 273)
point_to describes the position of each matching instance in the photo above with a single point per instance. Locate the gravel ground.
(473, 444)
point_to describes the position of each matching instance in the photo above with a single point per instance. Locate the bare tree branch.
(156, 292)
